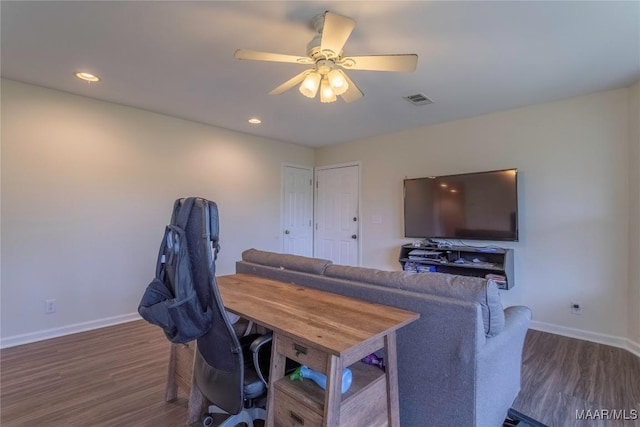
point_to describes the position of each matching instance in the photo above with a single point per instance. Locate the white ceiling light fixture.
(254, 121)
(337, 81)
(87, 77)
(325, 52)
(326, 91)
(310, 85)
(330, 80)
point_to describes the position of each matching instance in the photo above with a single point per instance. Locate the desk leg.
(171, 392)
(197, 404)
(276, 371)
(333, 395)
(391, 364)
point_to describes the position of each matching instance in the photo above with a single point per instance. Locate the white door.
(337, 217)
(297, 211)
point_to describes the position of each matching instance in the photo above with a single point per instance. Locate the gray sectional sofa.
(458, 365)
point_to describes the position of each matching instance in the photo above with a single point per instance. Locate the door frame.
(315, 201)
(313, 195)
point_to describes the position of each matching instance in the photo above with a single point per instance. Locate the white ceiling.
(176, 58)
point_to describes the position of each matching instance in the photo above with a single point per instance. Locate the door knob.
(287, 232)
(353, 236)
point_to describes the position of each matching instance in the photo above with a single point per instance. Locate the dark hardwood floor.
(116, 377)
(562, 377)
(113, 376)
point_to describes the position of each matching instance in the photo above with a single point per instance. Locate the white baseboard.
(15, 340)
(597, 337)
(66, 330)
(633, 347)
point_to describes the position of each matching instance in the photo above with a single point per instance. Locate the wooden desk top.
(328, 321)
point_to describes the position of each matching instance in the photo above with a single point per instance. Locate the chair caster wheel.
(207, 420)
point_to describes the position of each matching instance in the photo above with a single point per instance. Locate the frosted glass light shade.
(338, 82)
(309, 86)
(326, 93)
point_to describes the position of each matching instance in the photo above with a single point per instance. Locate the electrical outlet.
(50, 306)
(576, 307)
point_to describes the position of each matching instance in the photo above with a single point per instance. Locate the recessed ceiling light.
(88, 77)
(254, 121)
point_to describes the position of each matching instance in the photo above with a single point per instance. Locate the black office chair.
(231, 383)
(184, 300)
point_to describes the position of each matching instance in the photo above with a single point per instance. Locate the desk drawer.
(301, 353)
(292, 413)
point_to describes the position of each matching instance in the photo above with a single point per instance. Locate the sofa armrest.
(517, 319)
(511, 339)
(499, 365)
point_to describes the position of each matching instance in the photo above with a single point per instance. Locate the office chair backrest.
(177, 299)
(210, 223)
(218, 364)
(184, 300)
(199, 220)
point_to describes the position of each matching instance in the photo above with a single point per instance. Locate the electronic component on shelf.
(421, 254)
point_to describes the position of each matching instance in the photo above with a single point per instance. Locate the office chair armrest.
(260, 341)
(255, 348)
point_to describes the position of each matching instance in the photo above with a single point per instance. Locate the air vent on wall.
(418, 99)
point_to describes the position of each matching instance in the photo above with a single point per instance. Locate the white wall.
(573, 195)
(634, 216)
(87, 187)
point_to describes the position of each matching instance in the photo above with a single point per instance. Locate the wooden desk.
(326, 332)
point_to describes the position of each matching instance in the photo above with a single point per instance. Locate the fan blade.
(290, 83)
(274, 57)
(335, 32)
(405, 63)
(353, 93)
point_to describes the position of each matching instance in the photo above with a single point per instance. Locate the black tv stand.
(461, 260)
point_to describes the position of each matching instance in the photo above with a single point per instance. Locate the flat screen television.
(472, 206)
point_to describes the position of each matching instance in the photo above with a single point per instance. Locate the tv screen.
(477, 206)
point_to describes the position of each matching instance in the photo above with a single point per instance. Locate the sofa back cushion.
(465, 288)
(286, 261)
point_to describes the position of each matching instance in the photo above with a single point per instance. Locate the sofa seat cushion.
(465, 288)
(286, 261)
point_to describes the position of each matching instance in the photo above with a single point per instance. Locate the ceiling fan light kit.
(325, 52)
(331, 83)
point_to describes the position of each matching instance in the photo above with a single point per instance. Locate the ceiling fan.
(324, 53)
